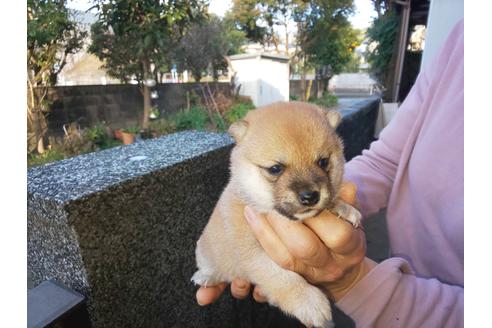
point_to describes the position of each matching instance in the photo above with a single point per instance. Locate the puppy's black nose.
(309, 198)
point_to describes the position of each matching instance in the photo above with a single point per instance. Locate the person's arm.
(391, 296)
(374, 171)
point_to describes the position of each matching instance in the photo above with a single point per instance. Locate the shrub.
(51, 155)
(97, 134)
(242, 100)
(238, 111)
(219, 123)
(195, 118)
(100, 137)
(162, 126)
(110, 143)
(328, 100)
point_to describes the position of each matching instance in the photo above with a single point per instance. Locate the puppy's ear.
(334, 118)
(238, 129)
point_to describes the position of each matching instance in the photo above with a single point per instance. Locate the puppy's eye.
(323, 163)
(276, 169)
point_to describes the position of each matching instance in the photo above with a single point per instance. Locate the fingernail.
(198, 299)
(250, 215)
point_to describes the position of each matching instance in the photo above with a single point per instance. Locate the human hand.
(240, 289)
(325, 250)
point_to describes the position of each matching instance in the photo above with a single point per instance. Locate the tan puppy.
(287, 160)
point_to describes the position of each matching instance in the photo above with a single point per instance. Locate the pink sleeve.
(390, 295)
(374, 171)
(398, 298)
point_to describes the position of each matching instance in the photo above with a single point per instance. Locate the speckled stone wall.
(120, 226)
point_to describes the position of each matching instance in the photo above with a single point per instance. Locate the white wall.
(247, 77)
(443, 15)
(274, 82)
(263, 79)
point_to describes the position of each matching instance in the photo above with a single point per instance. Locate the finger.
(240, 288)
(299, 240)
(258, 296)
(355, 255)
(208, 295)
(348, 192)
(269, 240)
(338, 235)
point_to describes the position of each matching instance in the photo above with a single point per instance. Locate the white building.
(263, 77)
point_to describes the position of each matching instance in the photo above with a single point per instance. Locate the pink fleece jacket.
(415, 170)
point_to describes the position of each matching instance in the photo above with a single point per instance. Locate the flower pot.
(117, 134)
(127, 138)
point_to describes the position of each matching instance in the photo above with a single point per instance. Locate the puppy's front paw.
(313, 308)
(202, 279)
(354, 217)
(348, 213)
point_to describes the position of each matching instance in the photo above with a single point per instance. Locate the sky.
(362, 19)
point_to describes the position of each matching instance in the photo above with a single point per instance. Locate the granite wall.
(120, 227)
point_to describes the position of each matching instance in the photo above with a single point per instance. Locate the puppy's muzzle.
(309, 198)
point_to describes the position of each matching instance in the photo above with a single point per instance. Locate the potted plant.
(128, 135)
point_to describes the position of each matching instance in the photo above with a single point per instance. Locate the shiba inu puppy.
(289, 161)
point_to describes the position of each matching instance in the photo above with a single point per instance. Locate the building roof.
(260, 55)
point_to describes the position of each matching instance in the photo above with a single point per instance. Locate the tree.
(201, 47)
(256, 19)
(233, 37)
(382, 6)
(51, 36)
(326, 37)
(325, 40)
(135, 38)
(382, 35)
(206, 45)
(281, 13)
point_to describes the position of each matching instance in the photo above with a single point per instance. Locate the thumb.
(208, 295)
